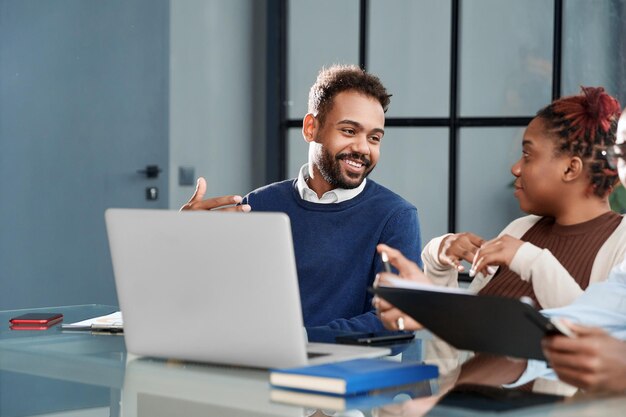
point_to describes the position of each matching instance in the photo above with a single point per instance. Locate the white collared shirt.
(337, 195)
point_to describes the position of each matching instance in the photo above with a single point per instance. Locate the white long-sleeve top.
(556, 287)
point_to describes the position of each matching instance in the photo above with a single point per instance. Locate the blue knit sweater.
(335, 249)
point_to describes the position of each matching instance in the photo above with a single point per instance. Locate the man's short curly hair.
(338, 78)
(585, 125)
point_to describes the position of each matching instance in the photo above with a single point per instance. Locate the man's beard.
(330, 168)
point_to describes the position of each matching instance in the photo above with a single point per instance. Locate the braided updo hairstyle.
(585, 125)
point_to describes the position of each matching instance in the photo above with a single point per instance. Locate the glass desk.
(60, 373)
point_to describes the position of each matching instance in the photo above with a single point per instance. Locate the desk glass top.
(61, 373)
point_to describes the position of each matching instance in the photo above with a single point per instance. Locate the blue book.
(352, 377)
(371, 399)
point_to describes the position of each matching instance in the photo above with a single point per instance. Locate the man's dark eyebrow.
(527, 142)
(360, 126)
(350, 122)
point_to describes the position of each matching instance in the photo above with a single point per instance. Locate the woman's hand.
(498, 251)
(459, 247)
(391, 317)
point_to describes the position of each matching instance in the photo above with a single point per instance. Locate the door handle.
(151, 171)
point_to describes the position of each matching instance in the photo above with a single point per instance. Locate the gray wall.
(217, 84)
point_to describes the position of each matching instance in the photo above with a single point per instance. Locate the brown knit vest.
(575, 247)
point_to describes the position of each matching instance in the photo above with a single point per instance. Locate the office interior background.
(95, 94)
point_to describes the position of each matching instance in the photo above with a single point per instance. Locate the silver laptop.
(213, 287)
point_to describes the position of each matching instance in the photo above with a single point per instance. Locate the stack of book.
(359, 383)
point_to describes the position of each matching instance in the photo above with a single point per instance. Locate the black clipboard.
(498, 325)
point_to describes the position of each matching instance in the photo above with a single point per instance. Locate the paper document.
(109, 322)
(412, 285)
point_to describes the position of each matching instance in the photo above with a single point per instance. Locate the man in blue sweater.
(337, 215)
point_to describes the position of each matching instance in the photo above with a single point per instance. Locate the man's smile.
(354, 163)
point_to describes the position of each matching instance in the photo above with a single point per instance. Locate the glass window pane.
(593, 46)
(320, 33)
(485, 201)
(409, 49)
(505, 54)
(297, 151)
(414, 164)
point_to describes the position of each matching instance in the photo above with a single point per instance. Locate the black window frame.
(278, 123)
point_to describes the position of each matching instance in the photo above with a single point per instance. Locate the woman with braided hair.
(570, 162)
(563, 179)
(570, 238)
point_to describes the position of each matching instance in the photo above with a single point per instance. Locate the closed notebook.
(352, 377)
